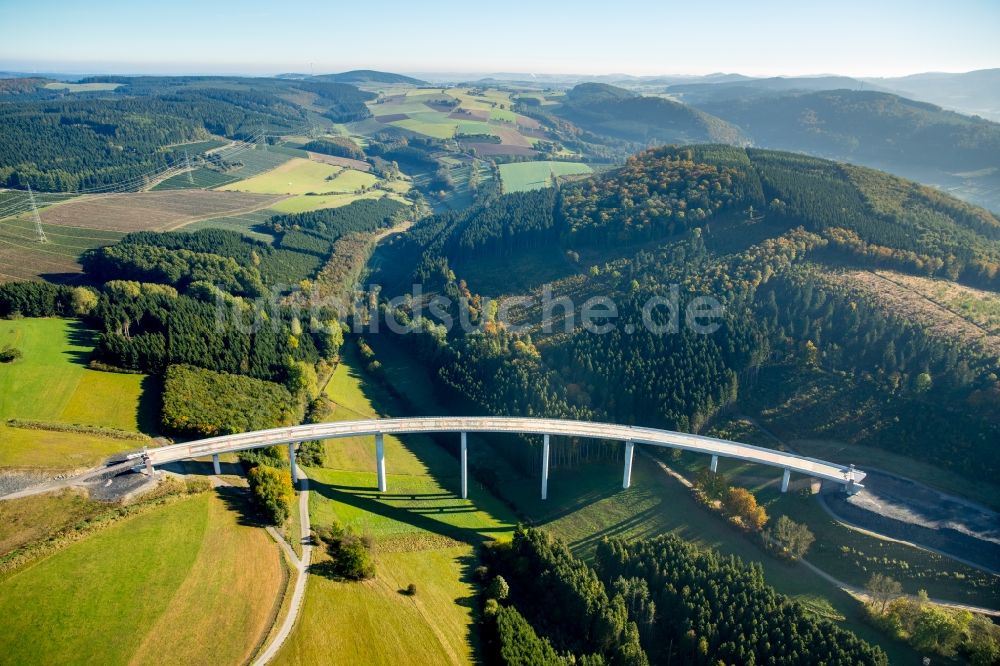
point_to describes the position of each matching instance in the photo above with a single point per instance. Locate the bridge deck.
(519, 425)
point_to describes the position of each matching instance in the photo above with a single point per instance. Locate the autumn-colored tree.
(741, 503)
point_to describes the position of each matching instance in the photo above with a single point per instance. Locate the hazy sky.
(868, 37)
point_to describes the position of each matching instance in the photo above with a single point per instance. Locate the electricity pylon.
(39, 232)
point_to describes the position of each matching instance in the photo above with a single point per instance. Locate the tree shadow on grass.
(147, 409)
(368, 491)
(79, 335)
(71, 279)
(238, 501)
(416, 517)
(468, 564)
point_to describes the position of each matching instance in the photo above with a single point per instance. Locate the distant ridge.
(976, 92)
(363, 76)
(612, 111)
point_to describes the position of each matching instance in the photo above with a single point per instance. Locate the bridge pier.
(545, 467)
(216, 467)
(464, 455)
(715, 464)
(291, 461)
(380, 461)
(784, 480)
(149, 468)
(629, 454)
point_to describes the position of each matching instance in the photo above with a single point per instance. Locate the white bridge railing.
(847, 476)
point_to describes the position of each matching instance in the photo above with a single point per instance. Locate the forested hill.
(616, 112)
(54, 142)
(755, 229)
(369, 76)
(701, 92)
(913, 139)
(864, 215)
(872, 126)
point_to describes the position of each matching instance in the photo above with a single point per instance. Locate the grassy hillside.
(118, 596)
(52, 383)
(524, 176)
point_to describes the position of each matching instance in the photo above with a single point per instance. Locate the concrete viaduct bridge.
(847, 476)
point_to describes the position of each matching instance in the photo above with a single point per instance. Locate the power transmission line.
(39, 232)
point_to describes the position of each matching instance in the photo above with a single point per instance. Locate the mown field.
(422, 531)
(22, 257)
(312, 185)
(153, 211)
(523, 176)
(191, 580)
(51, 383)
(245, 224)
(301, 204)
(297, 176)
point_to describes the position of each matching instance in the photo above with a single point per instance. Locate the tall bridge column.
(629, 453)
(291, 461)
(216, 467)
(380, 461)
(464, 455)
(784, 480)
(545, 467)
(715, 464)
(149, 468)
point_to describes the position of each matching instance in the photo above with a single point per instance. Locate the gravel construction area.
(906, 510)
(12, 481)
(112, 488)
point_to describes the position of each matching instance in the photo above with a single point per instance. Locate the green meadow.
(169, 582)
(52, 384)
(523, 176)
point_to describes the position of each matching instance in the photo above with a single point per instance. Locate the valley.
(805, 264)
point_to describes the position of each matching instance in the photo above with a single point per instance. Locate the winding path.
(302, 575)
